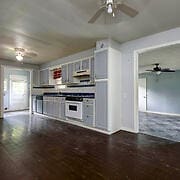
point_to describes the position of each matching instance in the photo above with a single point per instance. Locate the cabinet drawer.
(88, 109)
(62, 99)
(88, 101)
(88, 120)
(56, 99)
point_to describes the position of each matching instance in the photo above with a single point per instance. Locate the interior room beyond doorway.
(159, 92)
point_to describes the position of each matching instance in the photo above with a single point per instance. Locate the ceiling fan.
(158, 70)
(21, 53)
(113, 7)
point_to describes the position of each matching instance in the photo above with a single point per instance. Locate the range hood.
(44, 87)
(81, 73)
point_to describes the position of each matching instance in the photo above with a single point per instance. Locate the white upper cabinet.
(64, 70)
(85, 64)
(75, 72)
(44, 77)
(101, 65)
(77, 66)
(108, 89)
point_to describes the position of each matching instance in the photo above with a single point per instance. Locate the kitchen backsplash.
(75, 89)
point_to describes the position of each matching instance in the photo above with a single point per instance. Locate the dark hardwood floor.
(40, 148)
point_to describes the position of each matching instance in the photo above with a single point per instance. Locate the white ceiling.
(167, 57)
(57, 28)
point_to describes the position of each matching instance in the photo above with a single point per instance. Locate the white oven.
(74, 109)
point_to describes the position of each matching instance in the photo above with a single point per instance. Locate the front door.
(18, 92)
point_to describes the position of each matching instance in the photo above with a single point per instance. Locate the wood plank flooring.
(34, 147)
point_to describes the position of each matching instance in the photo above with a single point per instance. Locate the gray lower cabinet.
(101, 120)
(34, 104)
(88, 112)
(45, 107)
(54, 106)
(101, 65)
(48, 108)
(62, 110)
(51, 107)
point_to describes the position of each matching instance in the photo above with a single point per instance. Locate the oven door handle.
(73, 102)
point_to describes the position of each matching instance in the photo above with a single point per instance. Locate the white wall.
(129, 73)
(35, 68)
(70, 58)
(18, 64)
(1, 91)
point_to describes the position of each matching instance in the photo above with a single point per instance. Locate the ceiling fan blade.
(30, 54)
(167, 70)
(127, 10)
(96, 16)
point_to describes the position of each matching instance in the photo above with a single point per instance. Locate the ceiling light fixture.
(158, 72)
(109, 4)
(19, 57)
(19, 53)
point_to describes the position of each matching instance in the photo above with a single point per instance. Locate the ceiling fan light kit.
(19, 57)
(109, 4)
(19, 53)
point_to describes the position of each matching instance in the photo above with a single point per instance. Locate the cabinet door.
(88, 120)
(44, 107)
(36, 77)
(34, 103)
(88, 109)
(88, 113)
(41, 77)
(85, 64)
(101, 65)
(62, 110)
(56, 109)
(44, 77)
(92, 70)
(64, 74)
(101, 120)
(70, 73)
(46, 74)
(77, 66)
(51, 107)
(47, 107)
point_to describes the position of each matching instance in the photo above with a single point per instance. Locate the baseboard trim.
(161, 113)
(18, 110)
(129, 130)
(76, 123)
